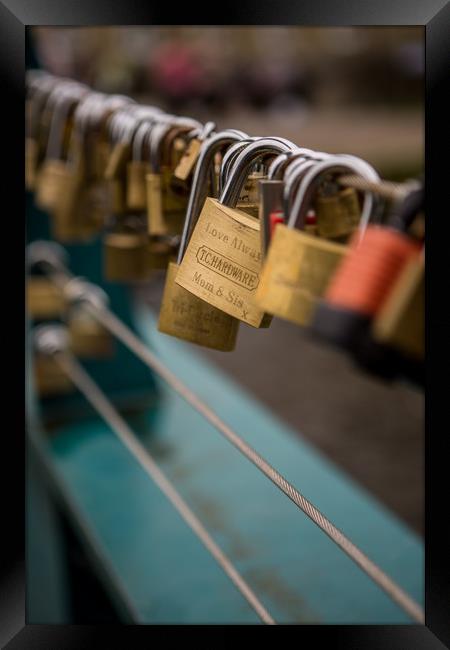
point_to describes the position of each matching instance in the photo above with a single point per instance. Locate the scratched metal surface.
(298, 573)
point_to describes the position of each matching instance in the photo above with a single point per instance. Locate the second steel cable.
(97, 398)
(122, 332)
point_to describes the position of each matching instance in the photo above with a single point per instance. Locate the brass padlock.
(44, 300)
(183, 314)
(52, 178)
(188, 160)
(31, 163)
(298, 266)
(190, 153)
(222, 263)
(125, 256)
(36, 132)
(249, 199)
(115, 175)
(137, 169)
(337, 210)
(88, 338)
(50, 379)
(71, 179)
(51, 184)
(400, 323)
(166, 202)
(165, 209)
(160, 251)
(83, 205)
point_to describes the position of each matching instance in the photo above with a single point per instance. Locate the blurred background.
(354, 90)
(358, 90)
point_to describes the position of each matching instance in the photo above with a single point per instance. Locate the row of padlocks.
(247, 228)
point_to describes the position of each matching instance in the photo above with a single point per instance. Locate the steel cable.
(100, 402)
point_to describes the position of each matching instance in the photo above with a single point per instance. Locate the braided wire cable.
(69, 364)
(122, 332)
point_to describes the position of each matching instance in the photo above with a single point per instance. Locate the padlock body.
(50, 379)
(117, 190)
(296, 273)
(337, 215)
(125, 257)
(88, 338)
(31, 163)
(249, 198)
(116, 164)
(400, 322)
(136, 193)
(187, 317)
(44, 299)
(51, 184)
(166, 210)
(80, 210)
(222, 262)
(159, 253)
(188, 160)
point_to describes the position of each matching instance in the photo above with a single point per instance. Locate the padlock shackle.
(298, 170)
(207, 130)
(85, 111)
(233, 152)
(120, 125)
(243, 163)
(158, 134)
(141, 135)
(334, 164)
(197, 194)
(38, 101)
(273, 173)
(64, 106)
(295, 161)
(229, 159)
(51, 253)
(81, 120)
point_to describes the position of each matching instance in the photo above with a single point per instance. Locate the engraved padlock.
(222, 262)
(298, 266)
(183, 314)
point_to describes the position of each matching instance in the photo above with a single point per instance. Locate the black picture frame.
(434, 16)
